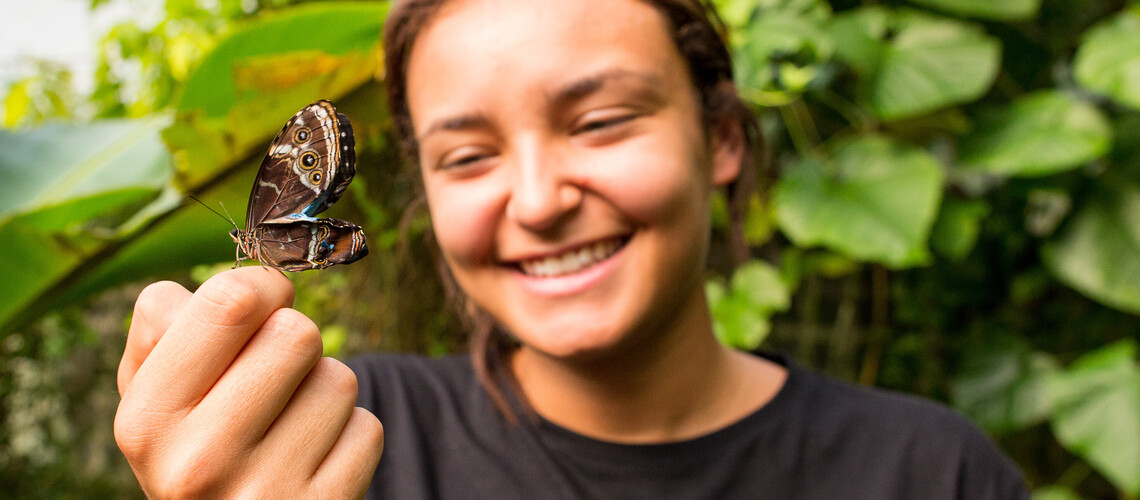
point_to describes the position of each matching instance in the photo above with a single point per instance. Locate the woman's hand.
(225, 394)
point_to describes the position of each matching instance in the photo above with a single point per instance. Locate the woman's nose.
(544, 191)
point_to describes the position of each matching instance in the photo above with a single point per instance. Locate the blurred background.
(948, 205)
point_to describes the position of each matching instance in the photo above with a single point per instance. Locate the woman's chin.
(574, 345)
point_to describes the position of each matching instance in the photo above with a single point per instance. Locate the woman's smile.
(575, 270)
(571, 260)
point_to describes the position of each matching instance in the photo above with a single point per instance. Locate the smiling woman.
(568, 150)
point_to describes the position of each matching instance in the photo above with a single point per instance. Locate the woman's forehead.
(549, 43)
(511, 26)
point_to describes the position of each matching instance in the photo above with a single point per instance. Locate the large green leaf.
(931, 63)
(1108, 60)
(1098, 252)
(914, 63)
(287, 48)
(1001, 386)
(1039, 134)
(68, 192)
(874, 199)
(268, 70)
(1096, 412)
(1005, 10)
(57, 165)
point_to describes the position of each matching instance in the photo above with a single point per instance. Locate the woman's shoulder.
(846, 427)
(842, 407)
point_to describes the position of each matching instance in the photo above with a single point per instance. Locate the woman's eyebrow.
(571, 92)
(455, 123)
(583, 87)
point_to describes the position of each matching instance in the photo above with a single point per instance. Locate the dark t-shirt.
(818, 438)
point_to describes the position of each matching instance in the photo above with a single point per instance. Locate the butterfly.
(309, 165)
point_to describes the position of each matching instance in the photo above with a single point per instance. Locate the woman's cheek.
(649, 186)
(464, 220)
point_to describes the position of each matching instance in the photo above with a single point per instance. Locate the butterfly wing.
(310, 163)
(299, 245)
(341, 140)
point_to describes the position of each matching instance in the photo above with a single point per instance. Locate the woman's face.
(566, 167)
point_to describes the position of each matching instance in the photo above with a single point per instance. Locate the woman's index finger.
(207, 335)
(155, 309)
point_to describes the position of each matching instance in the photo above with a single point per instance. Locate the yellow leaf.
(16, 104)
(283, 71)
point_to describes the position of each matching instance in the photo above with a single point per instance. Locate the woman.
(568, 150)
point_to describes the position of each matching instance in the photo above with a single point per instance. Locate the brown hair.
(698, 34)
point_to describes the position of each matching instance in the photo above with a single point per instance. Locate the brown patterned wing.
(299, 245)
(309, 164)
(345, 170)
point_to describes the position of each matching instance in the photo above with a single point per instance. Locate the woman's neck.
(678, 385)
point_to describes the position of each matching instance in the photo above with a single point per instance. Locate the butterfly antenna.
(226, 217)
(230, 217)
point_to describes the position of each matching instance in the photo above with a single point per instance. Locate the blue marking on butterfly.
(311, 210)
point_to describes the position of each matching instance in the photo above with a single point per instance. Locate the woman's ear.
(726, 139)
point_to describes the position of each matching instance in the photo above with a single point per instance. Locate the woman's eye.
(463, 159)
(603, 123)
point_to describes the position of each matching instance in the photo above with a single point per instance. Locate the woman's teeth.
(572, 261)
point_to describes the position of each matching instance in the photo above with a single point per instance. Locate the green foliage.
(1008, 10)
(1055, 493)
(959, 223)
(141, 68)
(913, 63)
(871, 198)
(1038, 134)
(1108, 62)
(67, 193)
(743, 308)
(1001, 385)
(1097, 253)
(897, 130)
(1096, 412)
(47, 95)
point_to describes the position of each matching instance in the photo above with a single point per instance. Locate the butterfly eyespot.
(301, 135)
(315, 177)
(308, 160)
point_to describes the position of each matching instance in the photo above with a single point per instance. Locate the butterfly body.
(309, 165)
